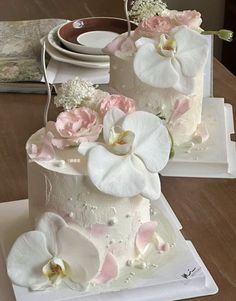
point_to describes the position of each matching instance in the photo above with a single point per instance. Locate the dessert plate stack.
(80, 42)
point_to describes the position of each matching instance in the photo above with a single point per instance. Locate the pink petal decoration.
(121, 43)
(201, 134)
(144, 235)
(109, 270)
(128, 45)
(98, 229)
(43, 151)
(113, 46)
(181, 106)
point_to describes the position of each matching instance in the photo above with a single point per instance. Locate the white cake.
(62, 186)
(161, 66)
(124, 81)
(91, 176)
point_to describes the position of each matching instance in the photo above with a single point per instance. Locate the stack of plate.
(80, 42)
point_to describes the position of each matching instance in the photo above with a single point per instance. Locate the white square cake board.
(167, 285)
(216, 158)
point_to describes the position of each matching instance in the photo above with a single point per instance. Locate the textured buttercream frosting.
(62, 186)
(158, 100)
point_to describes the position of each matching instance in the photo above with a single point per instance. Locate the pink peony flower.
(127, 105)
(74, 127)
(190, 18)
(153, 27)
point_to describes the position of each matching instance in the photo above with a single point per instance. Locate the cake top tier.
(67, 161)
(106, 138)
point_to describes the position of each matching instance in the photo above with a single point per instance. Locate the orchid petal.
(110, 119)
(144, 236)
(143, 41)
(49, 224)
(152, 142)
(109, 270)
(152, 188)
(185, 85)
(85, 147)
(192, 50)
(154, 69)
(114, 175)
(72, 285)
(28, 255)
(81, 255)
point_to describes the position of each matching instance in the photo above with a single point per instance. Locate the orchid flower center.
(55, 270)
(167, 46)
(121, 141)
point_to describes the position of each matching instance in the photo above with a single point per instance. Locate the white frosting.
(62, 186)
(124, 81)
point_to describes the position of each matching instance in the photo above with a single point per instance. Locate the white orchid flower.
(136, 148)
(173, 61)
(54, 252)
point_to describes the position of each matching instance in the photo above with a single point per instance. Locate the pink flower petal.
(201, 134)
(98, 229)
(109, 270)
(114, 45)
(144, 235)
(120, 46)
(126, 104)
(43, 151)
(74, 127)
(181, 106)
(153, 27)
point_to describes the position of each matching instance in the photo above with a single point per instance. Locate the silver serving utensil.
(49, 93)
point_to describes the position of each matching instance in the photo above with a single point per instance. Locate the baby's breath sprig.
(73, 93)
(143, 9)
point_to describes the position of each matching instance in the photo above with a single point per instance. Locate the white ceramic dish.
(55, 42)
(58, 56)
(90, 35)
(97, 38)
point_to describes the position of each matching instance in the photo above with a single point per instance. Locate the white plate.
(58, 56)
(97, 38)
(55, 42)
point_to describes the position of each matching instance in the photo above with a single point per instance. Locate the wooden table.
(205, 207)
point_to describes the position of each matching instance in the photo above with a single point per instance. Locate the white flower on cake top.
(177, 57)
(136, 147)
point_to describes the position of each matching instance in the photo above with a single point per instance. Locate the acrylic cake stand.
(183, 276)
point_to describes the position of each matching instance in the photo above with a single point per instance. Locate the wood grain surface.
(205, 207)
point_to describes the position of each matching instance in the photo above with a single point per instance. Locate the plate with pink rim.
(55, 42)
